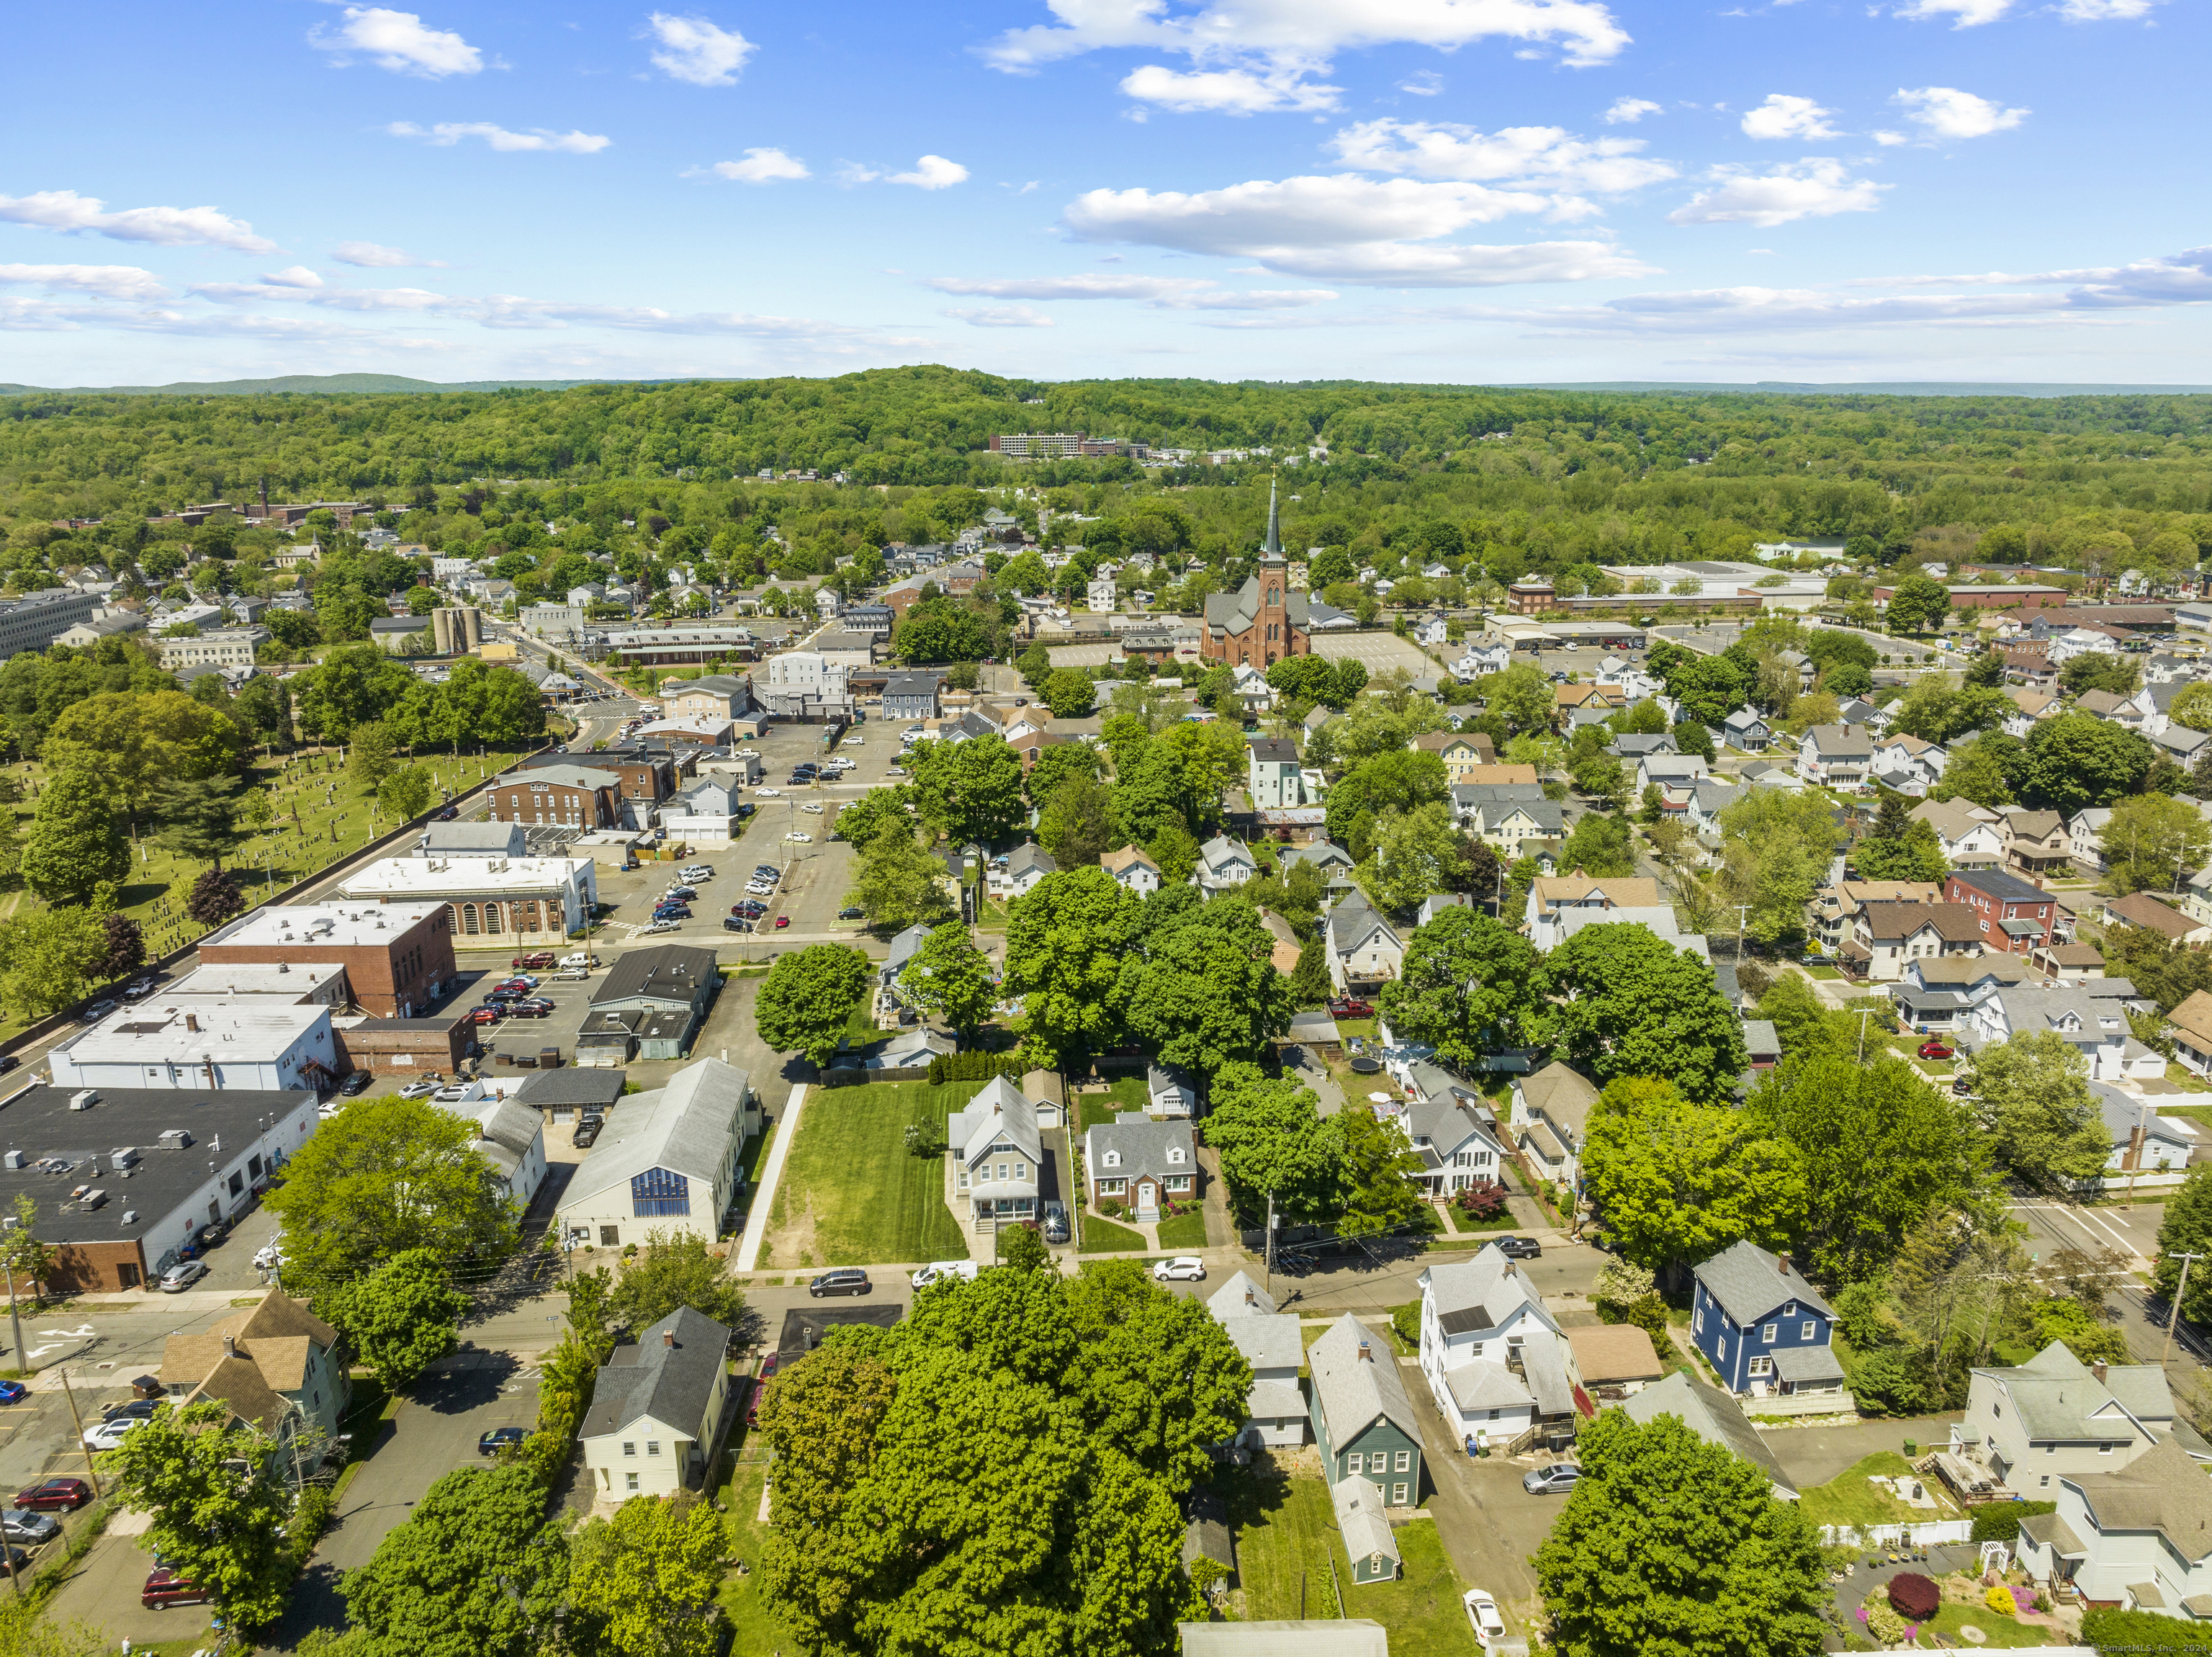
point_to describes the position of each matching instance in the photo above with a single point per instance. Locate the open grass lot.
(1184, 1231)
(1285, 1538)
(1848, 1499)
(851, 1194)
(1126, 1093)
(744, 1599)
(1104, 1237)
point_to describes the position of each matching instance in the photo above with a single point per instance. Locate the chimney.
(1783, 1261)
(2098, 1370)
(1251, 1296)
(230, 1346)
(668, 1338)
(192, 1022)
(1366, 1353)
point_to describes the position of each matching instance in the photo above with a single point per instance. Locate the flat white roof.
(157, 1032)
(250, 978)
(405, 876)
(338, 924)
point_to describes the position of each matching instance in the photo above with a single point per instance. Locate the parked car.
(55, 1495)
(534, 1007)
(108, 1435)
(1963, 1086)
(182, 1275)
(1933, 1048)
(21, 1524)
(782, 921)
(357, 1083)
(267, 1258)
(660, 926)
(582, 958)
(1351, 1009)
(452, 1092)
(1482, 1617)
(488, 1014)
(1056, 1222)
(1184, 1269)
(1520, 1248)
(810, 806)
(1559, 1478)
(846, 1280)
(491, 1443)
(852, 912)
(769, 794)
(8, 1061)
(448, 815)
(734, 924)
(587, 1132)
(746, 811)
(571, 975)
(802, 839)
(698, 872)
(945, 1271)
(680, 894)
(97, 1011)
(533, 962)
(13, 1391)
(164, 1587)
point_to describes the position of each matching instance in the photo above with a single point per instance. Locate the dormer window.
(1176, 1155)
(1113, 1159)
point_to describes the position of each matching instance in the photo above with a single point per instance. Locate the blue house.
(1762, 1326)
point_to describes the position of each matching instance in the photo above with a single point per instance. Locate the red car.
(485, 1015)
(782, 921)
(532, 963)
(1932, 1048)
(1351, 1009)
(66, 1494)
(164, 1587)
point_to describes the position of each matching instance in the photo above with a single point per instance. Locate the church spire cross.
(1273, 546)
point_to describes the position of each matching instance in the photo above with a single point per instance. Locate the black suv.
(586, 1131)
(846, 1280)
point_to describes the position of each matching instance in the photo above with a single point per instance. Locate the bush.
(2141, 1630)
(1884, 1624)
(1406, 1320)
(1914, 1597)
(1999, 1521)
(1999, 1600)
(1483, 1200)
(309, 1520)
(972, 1066)
(1648, 1314)
(1110, 1206)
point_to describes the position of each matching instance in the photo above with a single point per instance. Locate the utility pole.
(14, 1320)
(1863, 1013)
(77, 1422)
(2173, 1317)
(1742, 915)
(1271, 1245)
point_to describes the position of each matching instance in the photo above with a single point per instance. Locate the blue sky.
(1431, 190)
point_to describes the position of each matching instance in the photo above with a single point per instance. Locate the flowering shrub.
(1483, 1200)
(1999, 1600)
(1884, 1624)
(1914, 1597)
(2025, 1599)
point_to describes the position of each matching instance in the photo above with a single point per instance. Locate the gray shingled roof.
(569, 1085)
(1360, 1518)
(1240, 1297)
(686, 1127)
(669, 1383)
(1352, 1392)
(999, 1107)
(1481, 1293)
(1714, 1417)
(1144, 1145)
(1750, 1284)
(2055, 1397)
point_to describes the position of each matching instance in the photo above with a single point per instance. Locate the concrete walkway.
(786, 1129)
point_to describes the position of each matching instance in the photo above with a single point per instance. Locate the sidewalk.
(786, 1129)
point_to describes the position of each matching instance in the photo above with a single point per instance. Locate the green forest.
(1493, 483)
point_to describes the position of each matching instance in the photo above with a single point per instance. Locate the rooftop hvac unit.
(129, 1216)
(124, 1156)
(175, 1139)
(82, 1100)
(14, 1159)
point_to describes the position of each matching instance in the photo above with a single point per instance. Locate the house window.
(1354, 1462)
(1807, 1330)
(1767, 1334)
(632, 1480)
(964, 1178)
(1762, 1366)
(658, 1192)
(652, 1447)
(2045, 1482)
(1002, 1171)
(629, 1447)
(1405, 1461)
(1701, 1320)
(1398, 1493)
(1790, 1311)
(610, 1236)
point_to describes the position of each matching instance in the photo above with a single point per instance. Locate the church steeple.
(1273, 545)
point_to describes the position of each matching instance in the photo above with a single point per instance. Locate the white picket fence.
(1925, 1535)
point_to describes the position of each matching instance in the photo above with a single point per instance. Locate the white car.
(454, 1094)
(769, 794)
(1184, 1269)
(945, 1271)
(418, 1090)
(1482, 1617)
(856, 742)
(584, 958)
(813, 808)
(108, 1435)
(802, 839)
(182, 1276)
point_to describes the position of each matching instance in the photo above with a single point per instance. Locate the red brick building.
(1266, 620)
(561, 796)
(397, 957)
(2014, 918)
(1527, 598)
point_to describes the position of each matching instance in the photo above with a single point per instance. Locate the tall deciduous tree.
(215, 898)
(2153, 843)
(1468, 987)
(1672, 1545)
(1272, 1140)
(900, 884)
(1065, 941)
(1415, 855)
(217, 1501)
(968, 791)
(1636, 1006)
(49, 959)
(950, 978)
(643, 1583)
(2044, 1116)
(1077, 822)
(2078, 760)
(2187, 1229)
(400, 1318)
(1675, 1182)
(807, 996)
(479, 1568)
(384, 1176)
(74, 841)
(1201, 990)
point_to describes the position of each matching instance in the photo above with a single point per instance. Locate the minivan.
(846, 1280)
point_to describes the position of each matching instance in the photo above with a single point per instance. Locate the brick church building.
(1264, 620)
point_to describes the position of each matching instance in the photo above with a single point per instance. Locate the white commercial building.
(667, 1161)
(523, 897)
(231, 648)
(804, 683)
(261, 1046)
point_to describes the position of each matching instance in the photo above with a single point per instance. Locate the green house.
(1368, 1540)
(1362, 1419)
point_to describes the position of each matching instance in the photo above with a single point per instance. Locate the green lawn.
(1848, 1499)
(1461, 1222)
(1285, 1537)
(1185, 1231)
(1998, 1628)
(1104, 1237)
(744, 1599)
(851, 1193)
(1123, 1093)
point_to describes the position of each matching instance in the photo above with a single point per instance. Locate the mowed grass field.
(851, 1194)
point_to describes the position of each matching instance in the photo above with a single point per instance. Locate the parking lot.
(1380, 652)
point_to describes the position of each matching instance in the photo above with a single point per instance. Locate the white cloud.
(2101, 11)
(1531, 155)
(1944, 111)
(1888, 139)
(1002, 316)
(1810, 189)
(762, 166)
(1161, 292)
(294, 276)
(1628, 110)
(931, 173)
(167, 227)
(448, 133)
(2173, 278)
(107, 281)
(1967, 14)
(401, 42)
(1229, 91)
(370, 255)
(1783, 116)
(694, 50)
(1422, 84)
(1307, 30)
(1347, 229)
